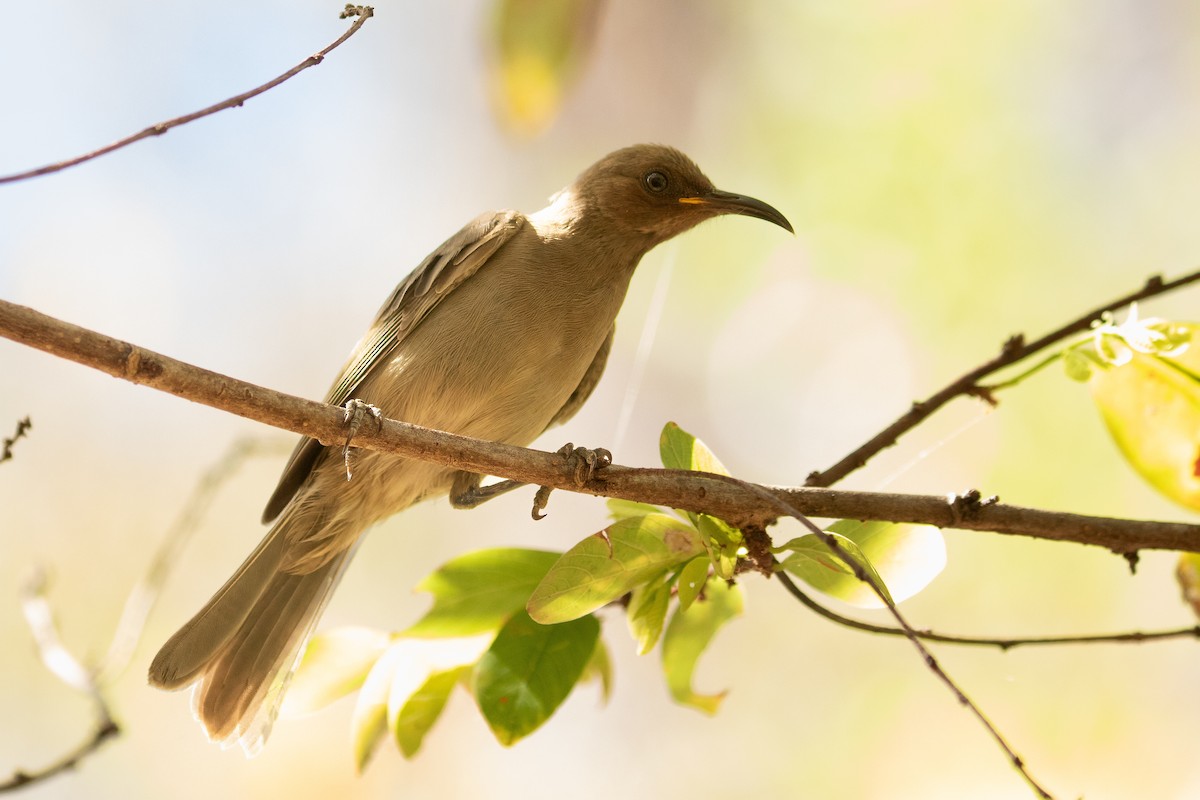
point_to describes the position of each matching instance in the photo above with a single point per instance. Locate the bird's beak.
(729, 203)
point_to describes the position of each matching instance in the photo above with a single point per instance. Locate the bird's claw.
(356, 412)
(967, 504)
(583, 462)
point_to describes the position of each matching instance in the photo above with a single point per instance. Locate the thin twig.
(21, 432)
(93, 680)
(860, 572)
(1014, 350)
(363, 13)
(672, 488)
(71, 671)
(1129, 637)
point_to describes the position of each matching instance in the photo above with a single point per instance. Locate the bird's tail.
(242, 647)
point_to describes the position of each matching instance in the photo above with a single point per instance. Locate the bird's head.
(654, 192)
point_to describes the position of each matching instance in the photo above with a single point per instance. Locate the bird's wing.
(440, 273)
(587, 384)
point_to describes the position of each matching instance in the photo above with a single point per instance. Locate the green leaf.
(692, 580)
(1151, 406)
(620, 509)
(540, 46)
(680, 450)
(479, 591)
(647, 612)
(335, 663)
(421, 709)
(599, 667)
(606, 565)
(688, 635)
(904, 557)
(529, 670)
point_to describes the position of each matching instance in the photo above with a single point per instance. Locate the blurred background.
(957, 171)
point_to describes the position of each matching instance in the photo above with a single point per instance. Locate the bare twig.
(1014, 350)
(21, 432)
(1129, 637)
(363, 13)
(674, 488)
(93, 680)
(59, 660)
(784, 508)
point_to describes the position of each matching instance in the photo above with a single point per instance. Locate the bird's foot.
(468, 492)
(356, 412)
(582, 463)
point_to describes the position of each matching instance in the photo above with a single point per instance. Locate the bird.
(500, 333)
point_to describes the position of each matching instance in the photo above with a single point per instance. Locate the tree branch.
(693, 491)
(362, 12)
(1013, 350)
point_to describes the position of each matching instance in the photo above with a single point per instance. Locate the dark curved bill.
(730, 203)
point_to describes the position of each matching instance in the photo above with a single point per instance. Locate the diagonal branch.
(1014, 350)
(693, 491)
(363, 13)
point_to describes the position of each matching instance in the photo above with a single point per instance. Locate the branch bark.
(675, 488)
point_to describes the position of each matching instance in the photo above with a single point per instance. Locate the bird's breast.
(500, 356)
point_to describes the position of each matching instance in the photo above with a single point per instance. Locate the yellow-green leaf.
(647, 612)
(416, 715)
(606, 565)
(680, 450)
(620, 509)
(479, 591)
(722, 541)
(692, 580)
(688, 635)
(1151, 405)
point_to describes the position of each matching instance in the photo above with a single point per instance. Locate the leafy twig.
(21, 432)
(786, 509)
(1129, 637)
(1014, 350)
(363, 13)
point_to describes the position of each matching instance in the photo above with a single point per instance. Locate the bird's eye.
(655, 181)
